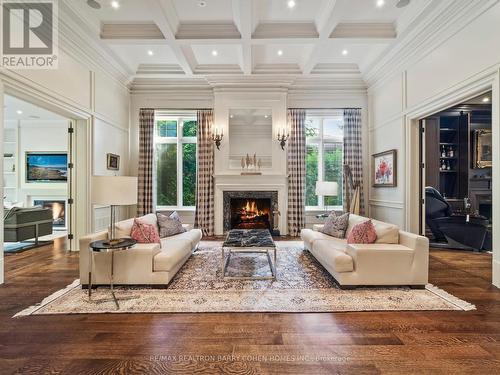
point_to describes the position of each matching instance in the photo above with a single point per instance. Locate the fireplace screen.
(253, 213)
(58, 208)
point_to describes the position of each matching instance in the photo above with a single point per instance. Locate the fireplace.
(250, 209)
(58, 208)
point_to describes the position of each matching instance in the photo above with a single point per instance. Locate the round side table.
(105, 246)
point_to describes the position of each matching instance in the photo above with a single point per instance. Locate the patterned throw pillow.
(169, 226)
(363, 233)
(336, 226)
(174, 215)
(144, 233)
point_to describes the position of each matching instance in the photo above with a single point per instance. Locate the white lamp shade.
(114, 190)
(327, 188)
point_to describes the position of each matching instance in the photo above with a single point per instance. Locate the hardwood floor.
(322, 343)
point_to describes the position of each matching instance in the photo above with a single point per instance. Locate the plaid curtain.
(146, 138)
(296, 171)
(204, 216)
(353, 152)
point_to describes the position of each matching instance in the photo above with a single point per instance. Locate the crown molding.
(364, 30)
(129, 30)
(76, 39)
(269, 30)
(336, 69)
(277, 69)
(436, 23)
(207, 30)
(205, 69)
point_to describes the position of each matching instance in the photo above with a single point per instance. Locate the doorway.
(456, 157)
(37, 176)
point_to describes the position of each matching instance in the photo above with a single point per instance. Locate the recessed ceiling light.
(280, 52)
(291, 4)
(150, 53)
(215, 53)
(115, 4)
(266, 116)
(345, 52)
(231, 116)
(486, 99)
(19, 112)
(202, 4)
(380, 3)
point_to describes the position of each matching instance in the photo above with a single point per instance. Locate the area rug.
(302, 285)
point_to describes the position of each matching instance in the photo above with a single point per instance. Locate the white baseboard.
(496, 273)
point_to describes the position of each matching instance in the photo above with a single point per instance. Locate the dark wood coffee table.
(254, 241)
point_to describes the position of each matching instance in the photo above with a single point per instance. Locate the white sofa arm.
(187, 227)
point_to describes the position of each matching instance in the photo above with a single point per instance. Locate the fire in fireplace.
(250, 213)
(58, 208)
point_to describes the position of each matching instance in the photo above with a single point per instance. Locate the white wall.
(460, 67)
(77, 90)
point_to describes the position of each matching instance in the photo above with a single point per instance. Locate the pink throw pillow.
(144, 233)
(362, 233)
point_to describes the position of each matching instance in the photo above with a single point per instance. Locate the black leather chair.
(453, 230)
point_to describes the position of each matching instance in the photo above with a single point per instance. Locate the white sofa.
(143, 264)
(396, 258)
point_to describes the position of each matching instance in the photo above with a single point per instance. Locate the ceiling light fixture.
(214, 53)
(202, 4)
(291, 4)
(486, 99)
(19, 112)
(150, 53)
(115, 4)
(280, 52)
(380, 3)
(402, 3)
(345, 52)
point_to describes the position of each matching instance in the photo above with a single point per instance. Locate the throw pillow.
(144, 233)
(169, 226)
(363, 233)
(174, 215)
(336, 226)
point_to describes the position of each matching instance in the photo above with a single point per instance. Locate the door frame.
(82, 146)
(485, 82)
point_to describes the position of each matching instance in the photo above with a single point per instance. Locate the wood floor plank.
(434, 342)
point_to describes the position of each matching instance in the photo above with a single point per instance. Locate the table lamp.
(114, 191)
(327, 189)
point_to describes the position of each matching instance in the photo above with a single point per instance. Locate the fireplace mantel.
(236, 182)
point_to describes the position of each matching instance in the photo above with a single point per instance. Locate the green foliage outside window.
(189, 174)
(189, 128)
(166, 128)
(166, 174)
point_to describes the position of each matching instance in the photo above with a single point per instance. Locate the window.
(324, 154)
(175, 161)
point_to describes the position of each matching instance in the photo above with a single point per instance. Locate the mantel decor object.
(251, 165)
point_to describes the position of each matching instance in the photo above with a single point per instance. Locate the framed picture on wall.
(384, 169)
(113, 162)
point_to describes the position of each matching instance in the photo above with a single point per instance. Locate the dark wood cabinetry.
(447, 154)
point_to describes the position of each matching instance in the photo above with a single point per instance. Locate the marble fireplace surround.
(277, 184)
(228, 195)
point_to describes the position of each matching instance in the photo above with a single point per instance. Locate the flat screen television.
(46, 167)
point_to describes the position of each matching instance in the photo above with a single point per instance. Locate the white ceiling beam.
(328, 25)
(165, 17)
(242, 14)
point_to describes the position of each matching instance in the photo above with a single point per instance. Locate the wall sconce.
(217, 137)
(282, 137)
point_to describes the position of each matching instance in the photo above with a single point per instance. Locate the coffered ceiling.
(201, 38)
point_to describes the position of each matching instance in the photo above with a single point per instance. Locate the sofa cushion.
(362, 233)
(123, 228)
(144, 233)
(193, 236)
(169, 225)
(171, 254)
(331, 257)
(336, 226)
(386, 233)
